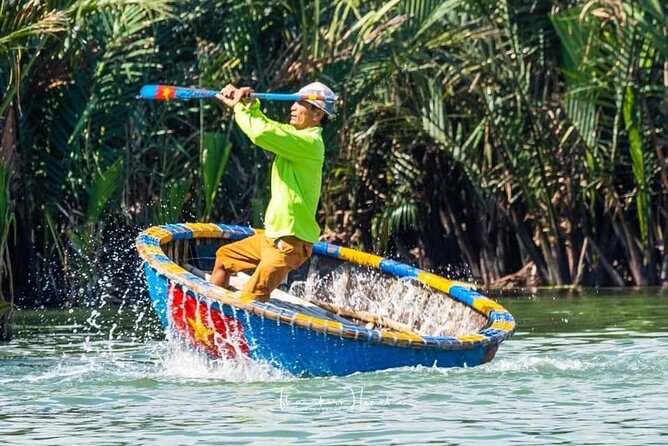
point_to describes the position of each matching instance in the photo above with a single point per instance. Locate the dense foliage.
(509, 135)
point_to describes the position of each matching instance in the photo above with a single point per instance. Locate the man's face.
(304, 115)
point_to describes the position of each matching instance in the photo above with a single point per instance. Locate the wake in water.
(405, 300)
(183, 362)
(117, 361)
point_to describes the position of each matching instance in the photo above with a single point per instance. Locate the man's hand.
(231, 95)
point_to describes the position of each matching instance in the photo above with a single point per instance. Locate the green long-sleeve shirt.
(296, 174)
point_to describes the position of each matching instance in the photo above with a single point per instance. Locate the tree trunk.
(614, 275)
(7, 154)
(554, 269)
(578, 274)
(528, 243)
(664, 263)
(450, 223)
(633, 254)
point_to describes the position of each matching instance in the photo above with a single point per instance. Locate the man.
(296, 175)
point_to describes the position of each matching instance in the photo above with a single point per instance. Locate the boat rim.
(500, 323)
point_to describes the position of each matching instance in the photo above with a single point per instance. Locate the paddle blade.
(169, 92)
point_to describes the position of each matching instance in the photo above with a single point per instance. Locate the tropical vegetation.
(510, 142)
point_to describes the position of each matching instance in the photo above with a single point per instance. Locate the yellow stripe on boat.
(471, 338)
(402, 336)
(152, 250)
(303, 320)
(502, 325)
(173, 268)
(359, 257)
(434, 281)
(204, 230)
(161, 234)
(486, 306)
(441, 283)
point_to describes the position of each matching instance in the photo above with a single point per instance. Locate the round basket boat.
(309, 335)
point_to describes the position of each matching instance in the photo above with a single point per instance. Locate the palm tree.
(476, 97)
(35, 23)
(67, 69)
(515, 136)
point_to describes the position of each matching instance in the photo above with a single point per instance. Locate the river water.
(586, 368)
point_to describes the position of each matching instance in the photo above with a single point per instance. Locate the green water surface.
(583, 368)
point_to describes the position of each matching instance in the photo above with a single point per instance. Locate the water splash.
(405, 300)
(183, 363)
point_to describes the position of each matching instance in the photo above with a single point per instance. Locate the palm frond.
(215, 154)
(103, 187)
(169, 207)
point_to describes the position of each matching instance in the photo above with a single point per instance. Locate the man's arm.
(282, 139)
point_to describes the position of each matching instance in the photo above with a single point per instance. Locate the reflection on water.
(582, 369)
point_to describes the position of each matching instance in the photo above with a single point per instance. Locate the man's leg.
(234, 257)
(219, 275)
(278, 259)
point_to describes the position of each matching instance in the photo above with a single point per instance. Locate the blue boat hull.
(221, 325)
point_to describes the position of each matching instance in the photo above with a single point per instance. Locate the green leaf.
(7, 220)
(637, 160)
(169, 207)
(215, 154)
(103, 187)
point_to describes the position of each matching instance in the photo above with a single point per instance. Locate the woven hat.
(322, 89)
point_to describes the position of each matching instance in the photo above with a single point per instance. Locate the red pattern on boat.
(205, 328)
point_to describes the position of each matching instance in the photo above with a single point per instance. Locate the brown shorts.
(272, 260)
